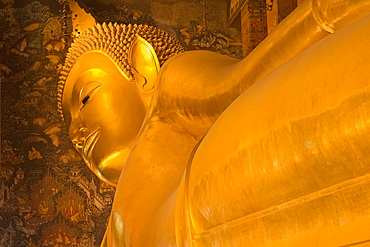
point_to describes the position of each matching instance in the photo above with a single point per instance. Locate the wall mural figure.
(271, 150)
(199, 37)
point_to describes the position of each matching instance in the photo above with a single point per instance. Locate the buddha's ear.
(145, 64)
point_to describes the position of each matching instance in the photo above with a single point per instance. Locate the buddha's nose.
(77, 134)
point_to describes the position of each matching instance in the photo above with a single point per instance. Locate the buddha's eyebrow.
(88, 84)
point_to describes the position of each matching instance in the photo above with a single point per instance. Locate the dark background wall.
(48, 197)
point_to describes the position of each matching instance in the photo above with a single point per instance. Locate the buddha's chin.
(109, 168)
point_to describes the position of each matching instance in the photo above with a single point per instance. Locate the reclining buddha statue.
(208, 150)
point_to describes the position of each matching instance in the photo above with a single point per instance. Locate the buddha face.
(104, 112)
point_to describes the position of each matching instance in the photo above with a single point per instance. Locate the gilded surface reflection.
(271, 150)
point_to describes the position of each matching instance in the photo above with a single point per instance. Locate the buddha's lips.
(89, 145)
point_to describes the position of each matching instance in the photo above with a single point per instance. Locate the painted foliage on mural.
(197, 35)
(48, 197)
(103, 12)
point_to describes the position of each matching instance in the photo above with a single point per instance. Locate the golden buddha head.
(105, 88)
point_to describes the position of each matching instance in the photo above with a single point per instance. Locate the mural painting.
(196, 35)
(47, 195)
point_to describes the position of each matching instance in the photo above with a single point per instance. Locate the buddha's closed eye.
(87, 91)
(87, 97)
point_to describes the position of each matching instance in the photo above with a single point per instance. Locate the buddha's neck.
(150, 177)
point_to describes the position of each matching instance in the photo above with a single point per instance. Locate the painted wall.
(47, 195)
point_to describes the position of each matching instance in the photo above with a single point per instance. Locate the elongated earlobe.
(145, 64)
